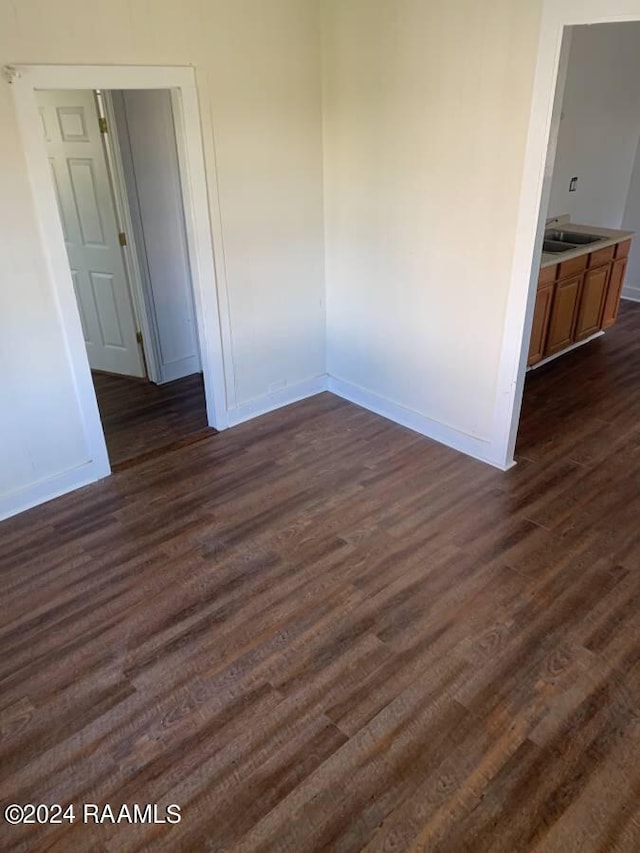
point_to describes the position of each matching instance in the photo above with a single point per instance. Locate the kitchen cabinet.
(577, 298)
(563, 314)
(540, 327)
(592, 300)
(612, 300)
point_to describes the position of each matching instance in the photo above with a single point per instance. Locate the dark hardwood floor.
(141, 420)
(320, 631)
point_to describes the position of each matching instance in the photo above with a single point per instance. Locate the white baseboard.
(468, 444)
(68, 481)
(277, 399)
(46, 490)
(631, 293)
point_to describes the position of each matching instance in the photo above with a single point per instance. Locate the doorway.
(534, 198)
(115, 173)
(589, 253)
(116, 176)
(27, 83)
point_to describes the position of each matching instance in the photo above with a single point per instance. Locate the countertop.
(610, 236)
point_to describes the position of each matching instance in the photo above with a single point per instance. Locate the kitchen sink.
(555, 246)
(576, 238)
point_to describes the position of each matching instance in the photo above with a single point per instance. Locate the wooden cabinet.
(592, 299)
(576, 299)
(563, 314)
(623, 249)
(602, 257)
(572, 267)
(541, 314)
(612, 299)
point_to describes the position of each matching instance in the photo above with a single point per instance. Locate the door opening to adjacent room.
(586, 267)
(115, 164)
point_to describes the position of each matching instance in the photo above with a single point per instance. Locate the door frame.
(557, 16)
(209, 306)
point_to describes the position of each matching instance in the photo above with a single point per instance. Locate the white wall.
(425, 119)
(600, 124)
(631, 221)
(258, 75)
(145, 129)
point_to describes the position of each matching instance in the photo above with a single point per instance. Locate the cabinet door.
(563, 314)
(594, 292)
(612, 300)
(540, 327)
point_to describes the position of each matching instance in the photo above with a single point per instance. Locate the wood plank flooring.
(143, 420)
(321, 632)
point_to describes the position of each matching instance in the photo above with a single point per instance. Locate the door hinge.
(122, 238)
(139, 337)
(102, 122)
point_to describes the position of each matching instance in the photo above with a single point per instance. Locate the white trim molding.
(45, 490)
(557, 15)
(457, 440)
(277, 399)
(631, 293)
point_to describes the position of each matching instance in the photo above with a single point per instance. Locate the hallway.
(141, 420)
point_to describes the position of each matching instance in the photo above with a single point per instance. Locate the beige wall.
(258, 75)
(425, 118)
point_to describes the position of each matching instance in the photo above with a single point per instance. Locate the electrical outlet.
(573, 183)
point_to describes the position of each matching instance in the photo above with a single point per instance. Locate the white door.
(81, 180)
(152, 177)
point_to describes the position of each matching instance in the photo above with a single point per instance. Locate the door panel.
(83, 188)
(103, 289)
(594, 291)
(563, 314)
(73, 127)
(544, 298)
(616, 281)
(87, 212)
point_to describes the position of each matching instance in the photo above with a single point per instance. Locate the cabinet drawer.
(547, 275)
(572, 267)
(601, 257)
(622, 249)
